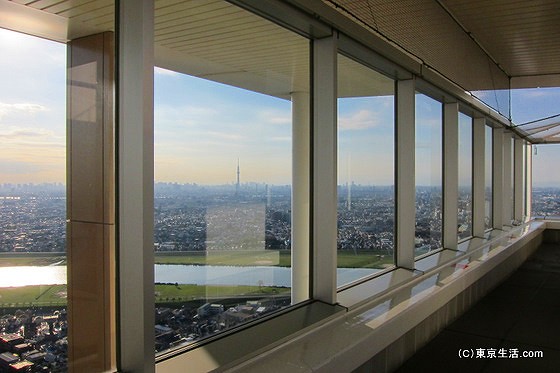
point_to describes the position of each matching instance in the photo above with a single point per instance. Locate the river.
(183, 274)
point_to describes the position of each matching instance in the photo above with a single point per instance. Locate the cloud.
(19, 168)
(186, 115)
(225, 136)
(23, 108)
(427, 122)
(360, 120)
(521, 94)
(276, 117)
(24, 133)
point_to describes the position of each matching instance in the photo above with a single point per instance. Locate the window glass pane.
(33, 289)
(366, 203)
(464, 221)
(526, 179)
(428, 174)
(533, 104)
(498, 99)
(488, 168)
(512, 178)
(546, 184)
(225, 97)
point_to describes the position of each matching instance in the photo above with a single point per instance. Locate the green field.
(55, 295)
(38, 295)
(31, 259)
(226, 258)
(345, 259)
(186, 292)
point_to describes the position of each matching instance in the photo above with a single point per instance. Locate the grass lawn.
(224, 258)
(39, 295)
(30, 260)
(55, 295)
(185, 292)
(346, 259)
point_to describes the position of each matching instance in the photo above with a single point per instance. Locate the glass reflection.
(464, 222)
(428, 174)
(33, 292)
(366, 203)
(488, 176)
(224, 109)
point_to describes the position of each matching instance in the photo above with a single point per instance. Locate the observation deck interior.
(520, 313)
(498, 288)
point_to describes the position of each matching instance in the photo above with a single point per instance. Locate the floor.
(521, 315)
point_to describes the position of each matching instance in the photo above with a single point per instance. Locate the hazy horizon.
(202, 128)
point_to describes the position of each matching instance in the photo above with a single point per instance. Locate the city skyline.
(194, 118)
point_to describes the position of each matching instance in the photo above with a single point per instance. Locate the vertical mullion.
(518, 180)
(450, 174)
(479, 157)
(507, 203)
(497, 178)
(135, 185)
(324, 169)
(301, 140)
(529, 181)
(404, 174)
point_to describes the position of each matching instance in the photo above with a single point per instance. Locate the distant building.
(9, 341)
(208, 309)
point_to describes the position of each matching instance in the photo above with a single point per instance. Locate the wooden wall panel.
(90, 210)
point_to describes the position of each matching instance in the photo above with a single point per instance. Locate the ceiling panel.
(523, 36)
(512, 38)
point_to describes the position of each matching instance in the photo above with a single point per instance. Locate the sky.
(532, 104)
(32, 109)
(365, 140)
(428, 136)
(202, 129)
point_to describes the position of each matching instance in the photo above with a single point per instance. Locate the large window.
(33, 324)
(223, 169)
(511, 181)
(465, 212)
(488, 176)
(366, 193)
(546, 184)
(428, 174)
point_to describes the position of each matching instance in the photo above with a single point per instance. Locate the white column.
(507, 191)
(518, 180)
(405, 180)
(324, 169)
(498, 178)
(479, 156)
(529, 181)
(450, 174)
(135, 184)
(301, 177)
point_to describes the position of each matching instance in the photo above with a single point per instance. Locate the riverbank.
(56, 295)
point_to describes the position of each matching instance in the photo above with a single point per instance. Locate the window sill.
(404, 300)
(234, 348)
(369, 316)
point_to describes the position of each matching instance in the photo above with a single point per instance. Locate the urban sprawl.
(196, 218)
